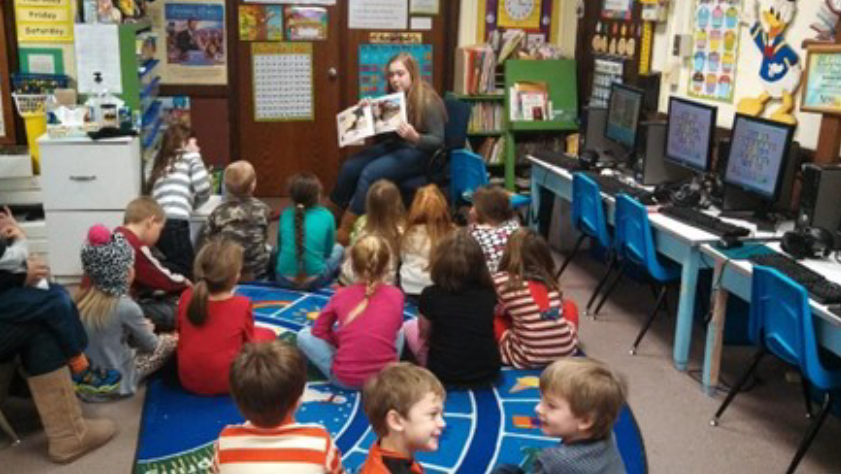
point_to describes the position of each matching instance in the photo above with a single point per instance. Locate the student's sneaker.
(97, 381)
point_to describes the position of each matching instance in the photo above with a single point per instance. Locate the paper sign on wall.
(98, 51)
(44, 21)
(716, 53)
(378, 14)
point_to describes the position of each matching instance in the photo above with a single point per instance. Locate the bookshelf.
(486, 128)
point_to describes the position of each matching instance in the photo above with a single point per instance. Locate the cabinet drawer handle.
(83, 178)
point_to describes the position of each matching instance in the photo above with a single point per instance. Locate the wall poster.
(535, 17)
(282, 75)
(374, 57)
(44, 21)
(822, 85)
(260, 23)
(716, 50)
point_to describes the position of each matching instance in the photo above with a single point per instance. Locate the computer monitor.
(624, 112)
(689, 134)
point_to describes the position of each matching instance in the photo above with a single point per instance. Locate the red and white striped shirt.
(291, 448)
(539, 333)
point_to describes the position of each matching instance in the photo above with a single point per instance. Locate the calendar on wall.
(283, 79)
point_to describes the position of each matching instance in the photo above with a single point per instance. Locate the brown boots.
(69, 435)
(345, 228)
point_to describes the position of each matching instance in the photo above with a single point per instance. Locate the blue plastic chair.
(634, 245)
(469, 173)
(781, 323)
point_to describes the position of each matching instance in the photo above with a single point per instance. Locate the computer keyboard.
(612, 186)
(703, 221)
(819, 288)
(561, 160)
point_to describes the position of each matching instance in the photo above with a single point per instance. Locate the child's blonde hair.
(369, 258)
(492, 205)
(429, 209)
(267, 379)
(591, 389)
(398, 387)
(172, 147)
(527, 257)
(142, 208)
(384, 213)
(239, 178)
(305, 191)
(216, 269)
(96, 308)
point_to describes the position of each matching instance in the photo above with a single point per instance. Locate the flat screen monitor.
(623, 114)
(758, 152)
(689, 134)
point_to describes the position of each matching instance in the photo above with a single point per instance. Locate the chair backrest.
(633, 238)
(588, 210)
(468, 172)
(781, 320)
(458, 118)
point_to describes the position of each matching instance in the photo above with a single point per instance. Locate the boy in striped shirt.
(267, 383)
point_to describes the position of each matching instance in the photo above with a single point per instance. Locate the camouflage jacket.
(247, 222)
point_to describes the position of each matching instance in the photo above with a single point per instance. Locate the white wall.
(747, 75)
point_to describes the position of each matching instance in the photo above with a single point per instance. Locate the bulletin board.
(535, 17)
(7, 107)
(822, 84)
(374, 57)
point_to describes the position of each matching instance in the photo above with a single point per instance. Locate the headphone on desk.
(809, 242)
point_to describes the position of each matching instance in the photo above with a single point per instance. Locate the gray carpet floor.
(758, 434)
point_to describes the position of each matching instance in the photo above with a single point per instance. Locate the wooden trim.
(205, 92)
(8, 111)
(232, 25)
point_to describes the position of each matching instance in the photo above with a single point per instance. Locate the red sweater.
(205, 352)
(149, 274)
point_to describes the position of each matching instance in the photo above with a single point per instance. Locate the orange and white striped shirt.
(539, 333)
(291, 448)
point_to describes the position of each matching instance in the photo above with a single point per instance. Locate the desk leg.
(715, 334)
(534, 211)
(686, 308)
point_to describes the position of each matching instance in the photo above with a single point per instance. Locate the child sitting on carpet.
(120, 337)
(535, 326)
(428, 222)
(385, 217)
(580, 400)
(405, 406)
(359, 331)
(213, 322)
(267, 384)
(492, 221)
(456, 315)
(308, 256)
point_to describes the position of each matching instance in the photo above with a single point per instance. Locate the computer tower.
(820, 198)
(651, 168)
(594, 139)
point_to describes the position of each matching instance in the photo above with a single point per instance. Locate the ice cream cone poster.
(716, 34)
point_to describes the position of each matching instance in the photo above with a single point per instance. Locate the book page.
(388, 111)
(354, 124)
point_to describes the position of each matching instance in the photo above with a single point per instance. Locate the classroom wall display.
(605, 73)
(298, 2)
(536, 17)
(374, 57)
(395, 37)
(716, 50)
(618, 9)
(424, 7)
(260, 23)
(175, 109)
(44, 21)
(378, 14)
(305, 23)
(41, 60)
(822, 91)
(283, 80)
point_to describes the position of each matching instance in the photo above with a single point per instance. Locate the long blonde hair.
(384, 213)
(429, 209)
(96, 308)
(216, 269)
(369, 257)
(421, 96)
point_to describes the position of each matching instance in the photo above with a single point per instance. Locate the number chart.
(282, 81)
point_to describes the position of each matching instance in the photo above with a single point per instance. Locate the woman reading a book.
(396, 156)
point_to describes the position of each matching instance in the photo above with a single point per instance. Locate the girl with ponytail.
(213, 322)
(308, 256)
(359, 331)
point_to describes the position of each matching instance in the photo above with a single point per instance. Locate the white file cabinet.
(84, 183)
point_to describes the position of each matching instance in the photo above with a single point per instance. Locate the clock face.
(519, 9)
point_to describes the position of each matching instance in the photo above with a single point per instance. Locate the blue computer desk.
(678, 241)
(734, 276)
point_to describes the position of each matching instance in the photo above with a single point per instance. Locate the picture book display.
(530, 101)
(381, 115)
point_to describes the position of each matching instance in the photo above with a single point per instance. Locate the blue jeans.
(321, 353)
(394, 161)
(331, 268)
(38, 347)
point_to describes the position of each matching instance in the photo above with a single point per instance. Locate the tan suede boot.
(70, 436)
(346, 227)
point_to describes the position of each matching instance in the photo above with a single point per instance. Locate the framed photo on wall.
(7, 106)
(822, 85)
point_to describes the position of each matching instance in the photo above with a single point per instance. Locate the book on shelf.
(474, 71)
(529, 101)
(381, 115)
(492, 150)
(485, 117)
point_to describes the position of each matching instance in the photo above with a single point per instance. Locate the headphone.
(810, 242)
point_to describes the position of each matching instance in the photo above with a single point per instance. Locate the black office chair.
(438, 167)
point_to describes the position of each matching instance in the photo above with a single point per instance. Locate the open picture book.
(381, 115)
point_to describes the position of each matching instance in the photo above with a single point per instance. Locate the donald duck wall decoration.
(780, 70)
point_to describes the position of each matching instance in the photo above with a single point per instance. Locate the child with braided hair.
(359, 331)
(308, 256)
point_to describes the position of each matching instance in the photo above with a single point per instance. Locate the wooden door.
(280, 149)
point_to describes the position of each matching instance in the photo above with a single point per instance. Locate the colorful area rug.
(485, 427)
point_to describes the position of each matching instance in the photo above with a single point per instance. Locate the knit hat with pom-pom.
(106, 259)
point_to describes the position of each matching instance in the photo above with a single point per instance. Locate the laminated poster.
(282, 75)
(44, 21)
(716, 50)
(306, 23)
(378, 14)
(374, 57)
(260, 23)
